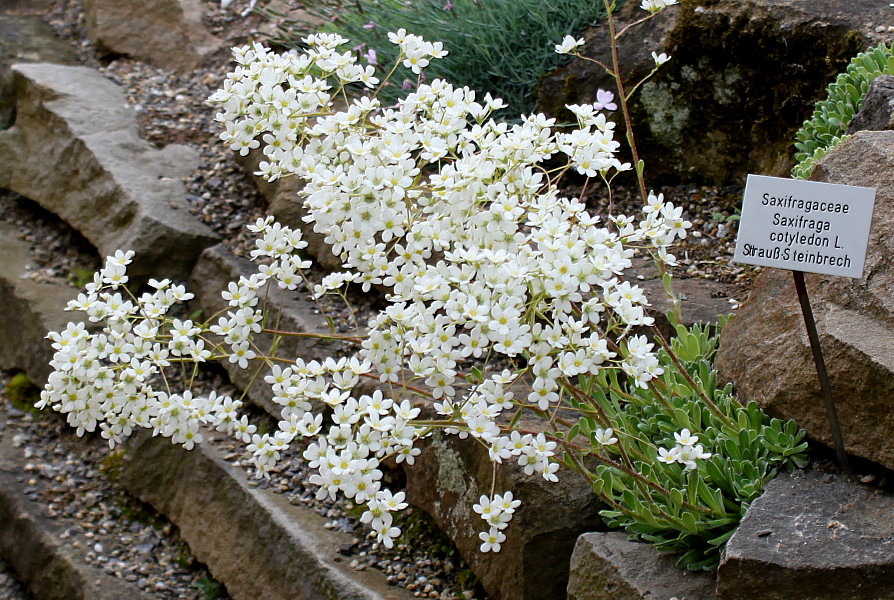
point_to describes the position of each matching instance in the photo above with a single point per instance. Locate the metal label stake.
(821, 372)
(813, 227)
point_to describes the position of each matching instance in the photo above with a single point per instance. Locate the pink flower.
(371, 58)
(604, 101)
(370, 25)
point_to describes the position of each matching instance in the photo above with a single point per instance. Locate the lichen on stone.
(667, 116)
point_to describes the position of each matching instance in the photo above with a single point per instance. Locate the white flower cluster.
(686, 451)
(454, 214)
(416, 50)
(102, 374)
(497, 513)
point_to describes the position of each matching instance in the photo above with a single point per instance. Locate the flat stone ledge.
(75, 149)
(702, 300)
(607, 566)
(252, 540)
(812, 535)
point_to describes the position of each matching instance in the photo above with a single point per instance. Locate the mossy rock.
(743, 77)
(22, 393)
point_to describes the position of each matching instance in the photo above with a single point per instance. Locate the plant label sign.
(804, 226)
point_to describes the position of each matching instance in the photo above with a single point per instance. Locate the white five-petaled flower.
(668, 456)
(569, 45)
(491, 540)
(685, 438)
(605, 436)
(654, 6)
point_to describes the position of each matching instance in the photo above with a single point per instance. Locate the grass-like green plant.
(499, 46)
(79, 277)
(209, 588)
(844, 97)
(691, 511)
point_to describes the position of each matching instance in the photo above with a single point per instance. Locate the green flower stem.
(615, 348)
(587, 401)
(263, 362)
(545, 414)
(405, 386)
(698, 389)
(384, 82)
(636, 86)
(322, 336)
(636, 475)
(676, 306)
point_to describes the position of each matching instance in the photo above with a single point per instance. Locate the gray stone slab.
(606, 566)
(812, 535)
(75, 149)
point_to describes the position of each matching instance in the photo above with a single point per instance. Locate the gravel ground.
(73, 480)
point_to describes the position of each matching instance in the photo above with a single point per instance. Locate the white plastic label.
(805, 226)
